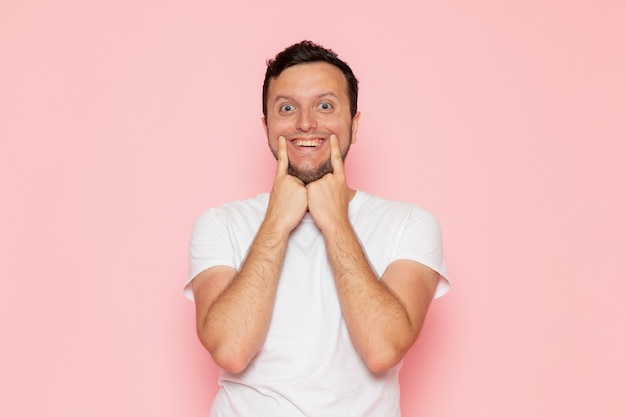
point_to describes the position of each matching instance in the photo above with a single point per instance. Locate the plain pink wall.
(120, 121)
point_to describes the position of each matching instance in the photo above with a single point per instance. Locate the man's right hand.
(288, 199)
(234, 308)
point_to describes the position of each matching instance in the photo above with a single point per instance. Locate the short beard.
(310, 175)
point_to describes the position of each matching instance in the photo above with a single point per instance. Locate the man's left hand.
(328, 197)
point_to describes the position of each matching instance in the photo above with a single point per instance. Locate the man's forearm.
(379, 325)
(236, 323)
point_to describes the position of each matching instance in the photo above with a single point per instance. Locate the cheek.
(273, 145)
(275, 129)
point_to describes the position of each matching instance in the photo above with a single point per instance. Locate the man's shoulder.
(366, 202)
(389, 214)
(233, 210)
(258, 202)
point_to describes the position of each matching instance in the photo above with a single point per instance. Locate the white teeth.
(310, 143)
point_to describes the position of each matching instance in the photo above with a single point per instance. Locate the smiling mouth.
(310, 143)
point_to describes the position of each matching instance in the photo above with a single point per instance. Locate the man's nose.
(306, 120)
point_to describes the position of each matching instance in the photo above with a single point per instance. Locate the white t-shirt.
(308, 365)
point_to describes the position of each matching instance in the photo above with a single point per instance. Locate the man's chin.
(309, 174)
(312, 174)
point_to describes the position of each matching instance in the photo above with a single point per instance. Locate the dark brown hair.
(307, 52)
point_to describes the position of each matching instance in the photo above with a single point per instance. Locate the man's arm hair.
(384, 316)
(233, 309)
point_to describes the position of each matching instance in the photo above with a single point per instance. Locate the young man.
(308, 297)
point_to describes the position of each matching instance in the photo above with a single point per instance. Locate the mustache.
(307, 135)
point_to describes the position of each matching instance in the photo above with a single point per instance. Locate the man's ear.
(355, 126)
(264, 121)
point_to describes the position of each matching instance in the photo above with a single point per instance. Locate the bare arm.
(384, 317)
(233, 309)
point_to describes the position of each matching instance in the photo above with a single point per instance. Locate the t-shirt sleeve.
(209, 246)
(422, 242)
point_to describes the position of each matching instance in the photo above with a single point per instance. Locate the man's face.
(307, 103)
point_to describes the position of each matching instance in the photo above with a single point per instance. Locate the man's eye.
(286, 108)
(325, 106)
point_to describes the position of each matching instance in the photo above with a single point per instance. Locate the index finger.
(283, 159)
(336, 159)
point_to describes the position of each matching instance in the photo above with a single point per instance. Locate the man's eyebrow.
(330, 93)
(290, 98)
(283, 97)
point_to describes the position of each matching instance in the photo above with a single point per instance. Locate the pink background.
(120, 121)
